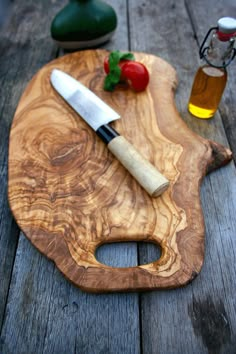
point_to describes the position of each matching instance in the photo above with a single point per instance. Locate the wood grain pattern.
(69, 195)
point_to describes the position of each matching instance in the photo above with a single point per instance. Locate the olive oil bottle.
(211, 77)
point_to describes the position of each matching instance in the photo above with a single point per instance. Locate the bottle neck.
(218, 49)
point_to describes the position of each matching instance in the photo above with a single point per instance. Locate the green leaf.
(127, 56)
(114, 59)
(113, 77)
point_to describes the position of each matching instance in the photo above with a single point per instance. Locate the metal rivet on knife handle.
(141, 169)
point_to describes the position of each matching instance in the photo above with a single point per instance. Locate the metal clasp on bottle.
(203, 51)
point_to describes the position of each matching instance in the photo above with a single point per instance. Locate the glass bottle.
(217, 51)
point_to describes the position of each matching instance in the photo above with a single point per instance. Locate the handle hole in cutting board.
(127, 254)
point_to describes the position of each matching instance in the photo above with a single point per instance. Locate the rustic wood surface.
(69, 195)
(37, 305)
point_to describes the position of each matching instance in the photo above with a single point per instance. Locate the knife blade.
(98, 115)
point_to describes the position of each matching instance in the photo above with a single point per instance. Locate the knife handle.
(142, 170)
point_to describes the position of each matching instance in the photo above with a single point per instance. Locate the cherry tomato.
(132, 72)
(136, 75)
(106, 65)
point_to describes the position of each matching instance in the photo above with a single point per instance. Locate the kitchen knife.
(98, 114)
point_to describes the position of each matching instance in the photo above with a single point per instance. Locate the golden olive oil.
(208, 87)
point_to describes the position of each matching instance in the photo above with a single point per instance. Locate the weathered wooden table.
(40, 311)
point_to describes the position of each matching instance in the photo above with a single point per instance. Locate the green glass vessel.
(84, 24)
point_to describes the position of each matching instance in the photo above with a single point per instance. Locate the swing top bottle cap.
(227, 25)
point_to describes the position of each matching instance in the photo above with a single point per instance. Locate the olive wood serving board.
(69, 194)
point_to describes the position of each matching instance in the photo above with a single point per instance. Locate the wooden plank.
(8, 229)
(111, 254)
(44, 312)
(199, 318)
(17, 64)
(8, 239)
(5, 9)
(123, 253)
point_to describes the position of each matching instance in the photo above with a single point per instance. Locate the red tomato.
(136, 74)
(133, 72)
(106, 65)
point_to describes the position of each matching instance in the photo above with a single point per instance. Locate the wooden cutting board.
(69, 194)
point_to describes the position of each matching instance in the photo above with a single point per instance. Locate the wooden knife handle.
(142, 170)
